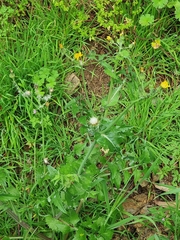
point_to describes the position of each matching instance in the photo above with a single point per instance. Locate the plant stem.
(120, 116)
(86, 157)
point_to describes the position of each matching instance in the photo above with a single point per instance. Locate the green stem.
(86, 157)
(121, 115)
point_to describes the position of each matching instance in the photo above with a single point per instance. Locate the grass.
(62, 177)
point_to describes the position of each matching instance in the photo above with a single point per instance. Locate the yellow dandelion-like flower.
(141, 69)
(61, 46)
(109, 38)
(165, 84)
(78, 55)
(156, 44)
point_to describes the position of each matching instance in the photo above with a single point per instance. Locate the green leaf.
(3, 176)
(146, 20)
(78, 148)
(171, 4)
(137, 175)
(177, 10)
(159, 3)
(5, 238)
(56, 225)
(108, 69)
(80, 234)
(113, 98)
(106, 233)
(56, 199)
(73, 217)
(52, 171)
(124, 53)
(7, 197)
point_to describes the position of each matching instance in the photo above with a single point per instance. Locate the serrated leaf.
(159, 3)
(55, 198)
(56, 225)
(146, 20)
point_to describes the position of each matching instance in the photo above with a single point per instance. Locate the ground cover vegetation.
(89, 119)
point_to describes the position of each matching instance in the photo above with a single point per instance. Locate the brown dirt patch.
(97, 81)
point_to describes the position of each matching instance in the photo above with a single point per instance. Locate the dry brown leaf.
(165, 204)
(162, 188)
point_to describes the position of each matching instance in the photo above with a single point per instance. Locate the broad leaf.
(56, 225)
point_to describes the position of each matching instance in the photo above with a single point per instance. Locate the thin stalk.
(121, 115)
(86, 157)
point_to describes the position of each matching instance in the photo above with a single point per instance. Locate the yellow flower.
(165, 84)
(78, 55)
(141, 69)
(122, 33)
(109, 38)
(156, 44)
(61, 46)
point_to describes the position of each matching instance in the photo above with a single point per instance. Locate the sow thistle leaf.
(113, 99)
(56, 225)
(56, 199)
(146, 20)
(108, 69)
(124, 53)
(80, 234)
(159, 3)
(52, 171)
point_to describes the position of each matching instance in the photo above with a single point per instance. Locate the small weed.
(72, 163)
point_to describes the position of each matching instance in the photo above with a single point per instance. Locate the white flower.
(51, 90)
(26, 94)
(93, 121)
(46, 161)
(46, 97)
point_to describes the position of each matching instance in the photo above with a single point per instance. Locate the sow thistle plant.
(79, 181)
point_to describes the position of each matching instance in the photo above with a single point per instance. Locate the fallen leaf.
(162, 188)
(165, 204)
